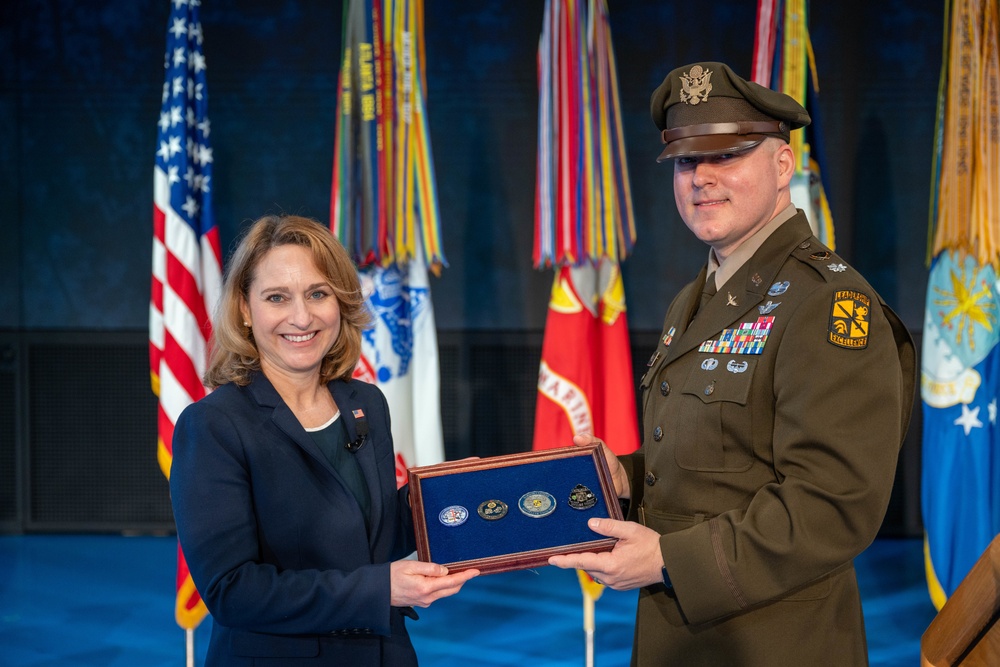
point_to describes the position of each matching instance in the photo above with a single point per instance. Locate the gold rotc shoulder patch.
(849, 319)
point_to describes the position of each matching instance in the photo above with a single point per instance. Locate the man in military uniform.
(774, 407)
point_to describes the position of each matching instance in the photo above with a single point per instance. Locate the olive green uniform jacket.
(766, 466)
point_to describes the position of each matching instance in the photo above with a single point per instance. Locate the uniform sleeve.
(211, 489)
(837, 430)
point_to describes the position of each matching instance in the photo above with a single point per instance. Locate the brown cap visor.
(709, 144)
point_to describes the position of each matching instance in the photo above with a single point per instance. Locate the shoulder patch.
(850, 316)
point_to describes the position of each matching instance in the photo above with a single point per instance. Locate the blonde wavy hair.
(234, 356)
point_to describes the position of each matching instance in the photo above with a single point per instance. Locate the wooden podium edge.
(968, 615)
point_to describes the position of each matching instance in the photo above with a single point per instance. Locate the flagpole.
(189, 642)
(588, 627)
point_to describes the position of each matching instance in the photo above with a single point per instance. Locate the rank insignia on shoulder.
(850, 316)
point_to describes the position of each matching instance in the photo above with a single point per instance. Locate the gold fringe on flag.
(967, 209)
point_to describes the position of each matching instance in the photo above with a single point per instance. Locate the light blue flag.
(959, 376)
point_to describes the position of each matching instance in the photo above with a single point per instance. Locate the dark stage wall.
(80, 85)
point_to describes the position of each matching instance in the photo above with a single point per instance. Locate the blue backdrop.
(80, 93)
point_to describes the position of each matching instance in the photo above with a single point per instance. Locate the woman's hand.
(414, 583)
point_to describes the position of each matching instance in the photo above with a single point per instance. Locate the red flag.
(187, 258)
(585, 382)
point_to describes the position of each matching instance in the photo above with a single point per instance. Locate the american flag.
(187, 260)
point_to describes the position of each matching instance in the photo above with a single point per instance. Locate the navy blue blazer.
(274, 540)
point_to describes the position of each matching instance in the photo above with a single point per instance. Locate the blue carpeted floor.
(82, 601)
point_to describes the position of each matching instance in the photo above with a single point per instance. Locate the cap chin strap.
(738, 128)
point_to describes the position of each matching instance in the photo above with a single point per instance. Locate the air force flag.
(959, 376)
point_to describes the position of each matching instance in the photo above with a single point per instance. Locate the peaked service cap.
(706, 109)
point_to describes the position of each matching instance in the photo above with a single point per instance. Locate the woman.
(283, 481)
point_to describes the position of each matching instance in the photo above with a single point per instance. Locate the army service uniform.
(772, 423)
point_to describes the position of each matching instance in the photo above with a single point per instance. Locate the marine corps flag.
(585, 382)
(960, 367)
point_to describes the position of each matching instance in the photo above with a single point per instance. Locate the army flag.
(783, 60)
(384, 209)
(960, 366)
(187, 258)
(399, 353)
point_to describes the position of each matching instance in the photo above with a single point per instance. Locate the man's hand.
(414, 583)
(635, 561)
(622, 488)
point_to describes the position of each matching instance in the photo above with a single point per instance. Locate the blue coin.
(454, 515)
(537, 504)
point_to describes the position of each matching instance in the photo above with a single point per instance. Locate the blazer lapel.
(352, 410)
(267, 397)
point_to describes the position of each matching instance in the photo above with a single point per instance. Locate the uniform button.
(650, 479)
(664, 388)
(657, 434)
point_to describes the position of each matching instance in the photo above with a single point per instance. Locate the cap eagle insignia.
(696, 85)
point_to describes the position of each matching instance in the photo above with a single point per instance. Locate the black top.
(332, 440)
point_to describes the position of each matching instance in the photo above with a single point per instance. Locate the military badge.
(768, 307)
(696, 85)
(669, 337)
(778, 289)
(850, 316)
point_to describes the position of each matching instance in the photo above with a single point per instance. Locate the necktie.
(707, 292)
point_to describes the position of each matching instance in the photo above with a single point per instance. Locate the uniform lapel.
(737, 300)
